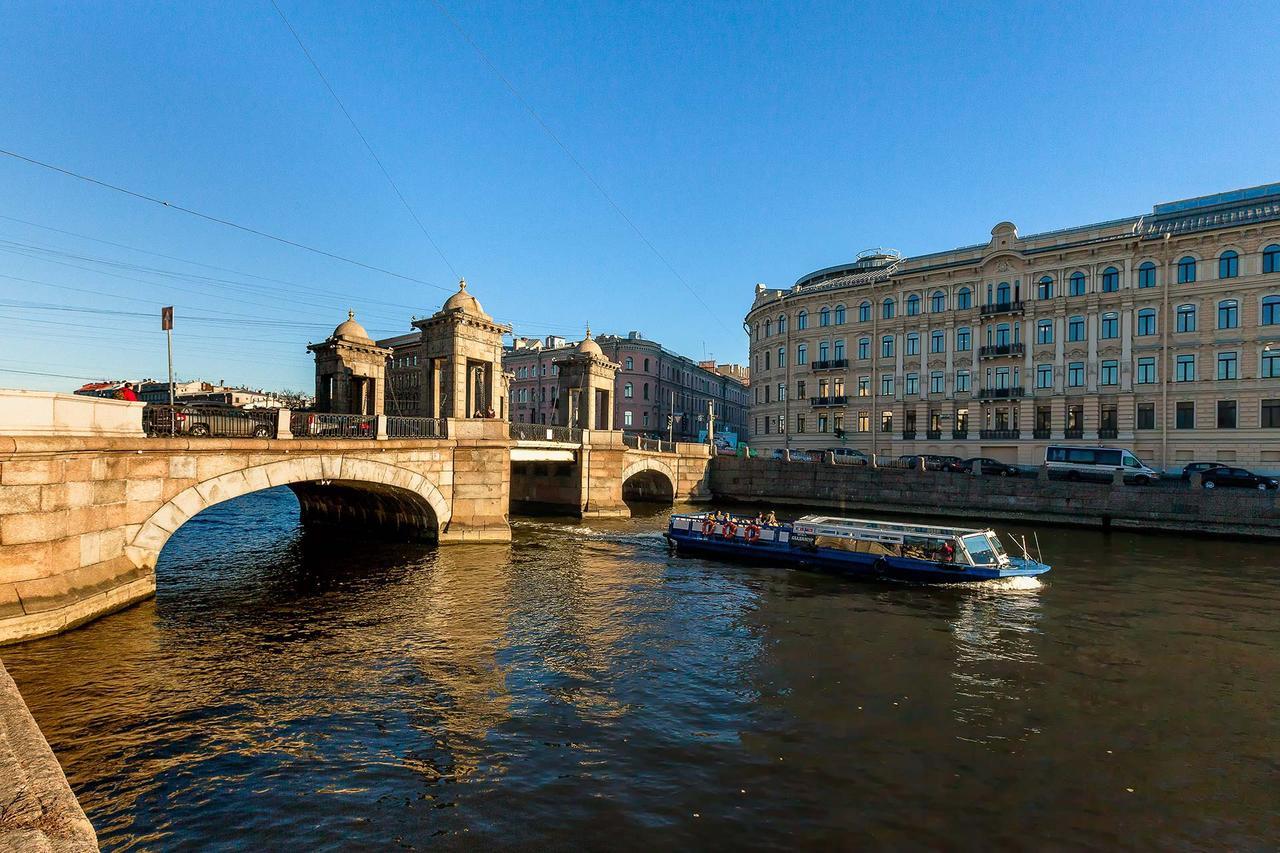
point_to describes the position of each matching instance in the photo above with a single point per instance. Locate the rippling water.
(582, 688)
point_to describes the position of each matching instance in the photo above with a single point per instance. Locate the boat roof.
(836, 524)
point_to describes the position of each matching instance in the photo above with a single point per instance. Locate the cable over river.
(583, 688)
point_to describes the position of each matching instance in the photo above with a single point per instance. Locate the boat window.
(982, 549)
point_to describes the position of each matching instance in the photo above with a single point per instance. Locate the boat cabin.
(967, 546)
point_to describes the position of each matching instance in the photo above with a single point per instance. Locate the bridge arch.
(649, 479)
(143, 548)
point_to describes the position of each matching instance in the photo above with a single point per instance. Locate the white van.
(1097, 463)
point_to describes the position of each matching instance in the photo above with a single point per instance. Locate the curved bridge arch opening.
(330, 491)
(648, 481)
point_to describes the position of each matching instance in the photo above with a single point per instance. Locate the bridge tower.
(461, 359)
(587, 379)
(350, 371)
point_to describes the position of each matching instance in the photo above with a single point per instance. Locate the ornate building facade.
(1159, 332)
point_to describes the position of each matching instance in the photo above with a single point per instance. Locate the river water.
(583, 688)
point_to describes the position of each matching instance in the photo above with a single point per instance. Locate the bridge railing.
(326, 425)
(639, 442)
(165, 421)
(405, 427)
(543, 432)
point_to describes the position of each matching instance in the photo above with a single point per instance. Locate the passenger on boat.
(947, 553)
(772, 520)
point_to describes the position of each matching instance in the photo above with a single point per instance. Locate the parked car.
(932, 462)
(1097, 463)
(796, 455)
(1236, 477)
(848, 454)
(208, 418)
(987, 466)
(1198, 468)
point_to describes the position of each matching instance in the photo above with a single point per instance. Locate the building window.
(963, 339)
(1045, 288)
(626, 419)
(1270, 364)
(1226, 414)
(799, 423)
(936, 381)
(1271, 259)
(1271, 414)
(1270, 311)
(1147, 274)
(822, 423)
(1002, 293)
(964, 299)
(886, 309)
(800, 390)
(886, 346)
(1075, 286)
(802, 321)
(864, 348)
(1110, 280)
(646, 366)
(938, 302)
(1075, 329)
(1044, 331)
(886, 386)
(1228, 366)
(1044, 375)
(913, 305)
(768, 328)
(937, 341)
(1228, 314)
(912, 386)
(1110, 326)
(824, 351)
(824, 317)
(886, 421)
(626, 390)
(1110, 373)
(645, 388)
(782, 391)
(1147, 371)
(766, 359)
(1146, 322)
(782, 357)
(1186, 318)
(630, 363)
(864, 312)
(839, 349)
(1228, 265)
(1186, 369)
(864, 386)
(1184, 415)
(1075, 374)
(1187, 270)
(1146, 416)
(913, 343)
(963, 380)
(802, 354)
(864, 422)
(839, 315)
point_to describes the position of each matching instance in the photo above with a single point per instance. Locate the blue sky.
(746, 141)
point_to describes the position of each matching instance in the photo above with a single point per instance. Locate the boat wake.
(1015, 584)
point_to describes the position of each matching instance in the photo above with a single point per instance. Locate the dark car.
(205, 419)
(932, 461)
(1236, 478)
(1198, 468)
(988, 467)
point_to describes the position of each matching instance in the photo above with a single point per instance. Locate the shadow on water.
(582, 686)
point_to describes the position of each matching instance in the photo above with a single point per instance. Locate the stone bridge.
(87, 501)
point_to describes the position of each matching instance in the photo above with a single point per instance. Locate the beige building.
(1159, 332)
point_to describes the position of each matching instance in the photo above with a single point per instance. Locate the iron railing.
(163, 420)
(959, 434)
(909, 435)
(1014, 307)
(639, 442)
(1040, 433)
(831, 364)
(829, 401)
(1108, 432)
(993, 350)
(1000, 433)
(1001, 393)
(328, 425)
(545, 432)
(933, 434)
(1073, 433)
(406, 427)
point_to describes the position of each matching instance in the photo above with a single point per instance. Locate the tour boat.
(858, 547)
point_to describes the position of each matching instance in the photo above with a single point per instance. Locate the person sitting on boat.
(947, 553)
(772, 519)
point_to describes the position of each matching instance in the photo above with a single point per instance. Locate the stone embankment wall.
(38, 812)
(1240, 512)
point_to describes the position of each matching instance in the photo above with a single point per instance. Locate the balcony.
(828, 401)
(1108, 432)
(831, 364)
(1000, 433)
(1073, 433)
(959, 434)
(1002, 308)
(997, 350)
(909, 435)
(1001, 393)
(933, 434)
(1040, 433)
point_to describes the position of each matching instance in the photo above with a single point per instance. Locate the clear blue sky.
(748, 142)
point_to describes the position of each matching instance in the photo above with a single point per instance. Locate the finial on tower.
(351, 314)
(462, 284)
(588, 330)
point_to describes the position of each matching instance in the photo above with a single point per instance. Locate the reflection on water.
(583, 687)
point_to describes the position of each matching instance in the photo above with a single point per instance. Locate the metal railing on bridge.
(639, 442)
(543, 432)
(406, 427)
(202, 421)
(326, 425)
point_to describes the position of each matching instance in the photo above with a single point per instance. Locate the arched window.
(802, 320)
(1228, 314)
(1271, 258)
(886, 346)
(938, 302)
(824, 317)
(839, 315)
(824, 351)
(626, 390)
(1228, 264)
(864, 347)
(802, 354)
(839, 349)
(964, 298)
(1076, 286)
(1044, 331)
(768, 328)
(1270, 310)
(1002, 293)
(1045, 290)
(864, 312)
(1110, 326)
(1186, 318)
(782, 357)
(1076, 330)
(1110, 280)
(630, 363)
(1186, 270)
(913, 343)
(1147, 274)
(1146, 322)
(782, 324)
(937, 341)
(1002, 334)
(886, 309)
(913, 305)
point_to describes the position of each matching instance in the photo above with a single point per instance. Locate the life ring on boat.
(752, 533)
(730, 530)
(708, 527)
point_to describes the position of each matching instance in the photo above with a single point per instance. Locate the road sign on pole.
(166, 323)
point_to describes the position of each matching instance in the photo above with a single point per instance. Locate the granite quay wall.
(38, 811)
(1235, 512)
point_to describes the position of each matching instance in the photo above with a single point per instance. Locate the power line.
(217, 220)
(360, 134)
(591, 179)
